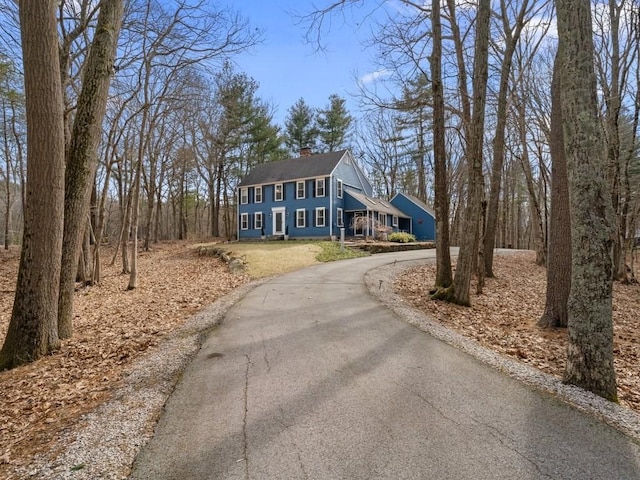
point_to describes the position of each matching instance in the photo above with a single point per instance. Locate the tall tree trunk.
(33, 329)
(215, 211)
(537, 227)
(612, 117)
(82, 157)
(135, 218)
(559, 264)
(468, 255)
(499, 137)
(7, 183)
(97, 270)
(590, 348)
(444, 277)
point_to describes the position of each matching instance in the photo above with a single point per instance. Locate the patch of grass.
(331, 252)
(265, 259)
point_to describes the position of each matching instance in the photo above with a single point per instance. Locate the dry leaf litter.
(85, 411)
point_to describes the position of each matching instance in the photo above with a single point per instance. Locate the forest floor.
(504, 319)
(113, 327)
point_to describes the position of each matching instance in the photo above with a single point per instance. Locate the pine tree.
(301, 130)
(334, 123)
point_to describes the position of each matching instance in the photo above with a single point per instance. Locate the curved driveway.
(309, 377)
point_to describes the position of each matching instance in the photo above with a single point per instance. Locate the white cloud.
(374, 76)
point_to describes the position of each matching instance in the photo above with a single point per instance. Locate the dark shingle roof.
(376, 204)
(311, 166)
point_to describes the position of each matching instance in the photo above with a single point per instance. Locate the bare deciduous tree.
(590, 348)
(33, 329)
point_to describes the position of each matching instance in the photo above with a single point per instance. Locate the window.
(244, 221)
(257, 195)
(319, 187)
(382, 218)
(320, 217)
(395, 220)
(301, 219)
(340, 218)
(278, 193)
(244, 196)
(257, 220)
(339, 189)
(300, 189)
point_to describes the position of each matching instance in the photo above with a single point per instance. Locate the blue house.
(423, 219)
(314, 196)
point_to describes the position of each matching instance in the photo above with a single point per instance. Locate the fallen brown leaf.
(113, 327)
(504, 318)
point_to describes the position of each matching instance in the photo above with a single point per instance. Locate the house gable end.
(422, 217)
(349, 172)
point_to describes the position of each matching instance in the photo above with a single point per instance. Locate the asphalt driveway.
(309, 377)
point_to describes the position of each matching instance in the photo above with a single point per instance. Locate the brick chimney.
(305, 151)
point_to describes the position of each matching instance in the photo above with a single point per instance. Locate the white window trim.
(339, 218)
(394, 221)
(255, 194)
(339, 188)
(275, 192)
(304, 218)
(320, 181)
(244, 196)
(258, 219)
(304, 188)
(320, 212)
(244, 221)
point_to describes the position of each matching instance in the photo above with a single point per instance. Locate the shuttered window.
(278, 192)
(301, 221)
(320, 217)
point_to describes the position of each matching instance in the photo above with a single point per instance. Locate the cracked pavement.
(310, 377)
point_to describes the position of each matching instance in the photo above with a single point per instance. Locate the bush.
(402, 237)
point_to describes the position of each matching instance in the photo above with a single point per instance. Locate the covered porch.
(372, 217)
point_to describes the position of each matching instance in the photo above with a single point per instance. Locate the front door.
(278, 215)
(358, 224)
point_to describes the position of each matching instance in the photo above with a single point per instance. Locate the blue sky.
(287, 68)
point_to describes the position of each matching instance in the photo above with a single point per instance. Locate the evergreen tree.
(415, 119)
(334, 123)
(264, 141)
(301, 130)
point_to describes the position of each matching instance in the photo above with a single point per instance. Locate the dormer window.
(319, 187)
